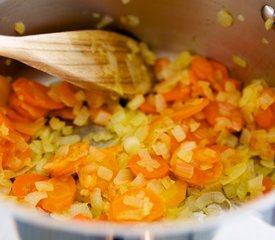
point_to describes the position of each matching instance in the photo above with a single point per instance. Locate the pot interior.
(167, 26)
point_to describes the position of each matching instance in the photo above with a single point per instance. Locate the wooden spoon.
(91, 59)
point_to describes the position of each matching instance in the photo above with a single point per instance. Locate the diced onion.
(208, 198)
(224, 18)
(33, 198)
(136, 102)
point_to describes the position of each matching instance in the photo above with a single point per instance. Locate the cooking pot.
(168, 26)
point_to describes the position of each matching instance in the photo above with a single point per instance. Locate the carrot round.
(29, 111)
(265, 118)
(212, 112)
(159, 170)
(146, 107)
(63, 164)
(25, 184)
(64, 113)
(220, 70)
(62, 196)
(189, 109)
(160, 64)
(34, 93)
(147, 207)
(202, 68)
(268, 184)
(5, 90)
(192, 172)
(65, 93)
(177, 94)
(28, 128)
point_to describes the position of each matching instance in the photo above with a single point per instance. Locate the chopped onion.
(79, 208)
(239, 61)
(44, 186)
(208, 198)
(179, 133)
(20, 27)
(224, 18)
(33, 198)
(104, 173)
(136, 102)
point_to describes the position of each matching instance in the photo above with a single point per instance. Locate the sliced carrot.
(65, 93)
(268, 184)
(106, 158)
(146, 107)
(29, 111)
(147, 207)
(14, 159)
(237, 120)
(202, 68)
(64, 113)
(212, 112)
(194, 175)
(15, 151)
(265, 118)
(177, 94)
(190, 108)
(5, 120)
(159, 167)
(82, 217)
(220, 70)
(67, 161)
(62, 196)
(34, 93)
(160, 64)
(205, 155)
(96, 99)
(235, 82)
(192, 172)
(28, 128)
(13, 115)
(5, 90)
(204, 132)
(25, 184)
(155, 124)
(175, 194)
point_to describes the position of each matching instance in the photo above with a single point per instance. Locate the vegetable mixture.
(198, 144)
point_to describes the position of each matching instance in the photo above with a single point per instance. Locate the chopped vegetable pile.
(198, 144)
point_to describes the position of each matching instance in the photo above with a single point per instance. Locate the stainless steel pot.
(168, 26)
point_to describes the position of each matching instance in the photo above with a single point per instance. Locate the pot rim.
(173, 227)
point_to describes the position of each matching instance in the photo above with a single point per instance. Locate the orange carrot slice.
(265, 118)
(177, 94)
(28, 128)
(25, 184)
(160, 64)
(67, 161)
(157, 167)
(65, 93)
(27, 110)
(202, 68)
(64, 113)
(146, 107)
(62, 197)
(137, 205)
(5, 90)
(192, 171)
(34, 93)
(191, 108)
